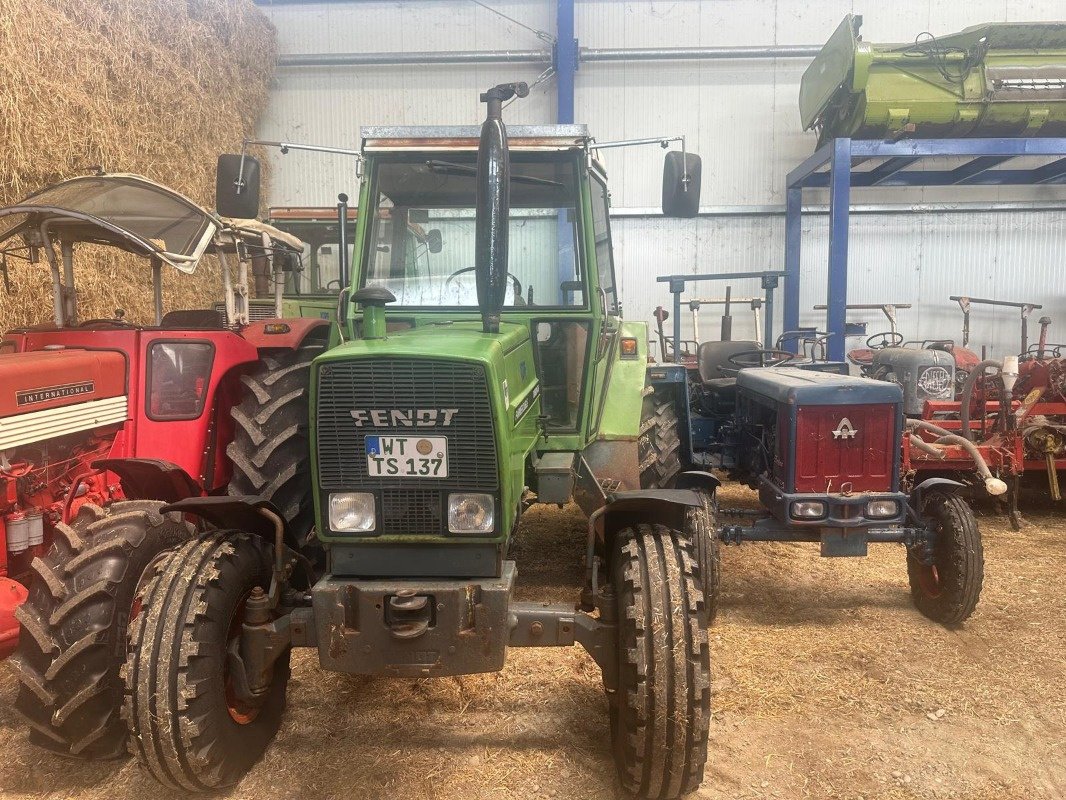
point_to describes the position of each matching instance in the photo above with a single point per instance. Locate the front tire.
(947, 590)
(73, 641)
(186, 727)
(701, 528)
(660, 711)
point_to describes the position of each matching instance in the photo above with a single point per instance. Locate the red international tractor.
(105, 420)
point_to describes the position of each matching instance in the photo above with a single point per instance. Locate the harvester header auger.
(994, 80)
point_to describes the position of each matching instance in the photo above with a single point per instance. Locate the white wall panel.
(920, 259)
(740, 115)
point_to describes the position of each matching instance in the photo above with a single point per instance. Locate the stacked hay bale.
(155, 87)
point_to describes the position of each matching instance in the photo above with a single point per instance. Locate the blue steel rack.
(833, 167)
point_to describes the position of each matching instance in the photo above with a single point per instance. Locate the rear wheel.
(661, 709)
(659, 442)
(187, 725)
(73, 641)
(270, 450)
(948, 587)
(701, 528)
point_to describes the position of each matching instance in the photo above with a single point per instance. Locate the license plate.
(407, 456)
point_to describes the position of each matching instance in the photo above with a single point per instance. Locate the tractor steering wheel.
(879, 341)
(747, 359)
(517, 283)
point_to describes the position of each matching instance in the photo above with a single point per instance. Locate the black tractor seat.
(712, 356)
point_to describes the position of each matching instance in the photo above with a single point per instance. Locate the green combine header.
(995, 80)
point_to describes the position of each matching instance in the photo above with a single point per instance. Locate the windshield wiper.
(448, 168)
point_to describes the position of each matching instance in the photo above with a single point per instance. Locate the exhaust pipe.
(493, 205)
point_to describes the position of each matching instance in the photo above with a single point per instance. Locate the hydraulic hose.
(993, 485)
(967, 392)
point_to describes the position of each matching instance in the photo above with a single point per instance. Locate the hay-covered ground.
(825, 680)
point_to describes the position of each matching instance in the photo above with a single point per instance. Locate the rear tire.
(947, 591)
(661, 710)
(659, 441)
(185, 727)
(701, 528)
(73, 640)
(270, 451)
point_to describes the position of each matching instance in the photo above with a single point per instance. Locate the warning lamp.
(628, 348)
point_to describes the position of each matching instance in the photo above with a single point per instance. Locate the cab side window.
(601, 227)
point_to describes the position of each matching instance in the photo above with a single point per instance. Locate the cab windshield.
(421, 243)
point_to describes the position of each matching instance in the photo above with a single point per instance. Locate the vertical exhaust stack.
(493, 205)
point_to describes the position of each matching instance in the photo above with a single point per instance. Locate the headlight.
(882, 509)
(352, 512)
(807, 509)
(936, 382)
(471, 513)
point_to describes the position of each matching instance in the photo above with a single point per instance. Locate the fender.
(929, 483)
(239, 512)
(151, 479)
(283, 334)
(697, 479)
(654, 506)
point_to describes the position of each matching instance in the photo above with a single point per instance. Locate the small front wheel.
(660, 711)
(946, 582)
(187, 725)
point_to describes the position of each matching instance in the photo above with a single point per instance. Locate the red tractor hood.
(39, 387)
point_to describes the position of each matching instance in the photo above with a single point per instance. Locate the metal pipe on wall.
(585, 55)
(415, 57)
(592, 54)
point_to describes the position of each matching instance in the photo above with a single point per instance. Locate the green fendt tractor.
(470, 379)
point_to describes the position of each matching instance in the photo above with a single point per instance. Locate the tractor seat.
(193, 319)
(712, 356)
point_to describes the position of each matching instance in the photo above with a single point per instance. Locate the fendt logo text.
(403, 417)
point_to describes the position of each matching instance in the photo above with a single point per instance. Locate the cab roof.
(418, 137)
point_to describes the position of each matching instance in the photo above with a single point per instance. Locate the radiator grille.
(413, 506)
(256, 310)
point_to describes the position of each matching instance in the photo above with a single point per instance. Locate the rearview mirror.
(434, 241)
(237, 188)
(681, 184)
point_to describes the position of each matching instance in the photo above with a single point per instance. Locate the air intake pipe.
(493, 205)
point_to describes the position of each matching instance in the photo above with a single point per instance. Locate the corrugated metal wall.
(741, 116)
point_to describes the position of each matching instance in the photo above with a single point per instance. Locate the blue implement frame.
(833, 167)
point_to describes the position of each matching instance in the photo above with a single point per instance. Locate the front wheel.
(946, 583)
(660, 711)
(187, 725)
(74, 623)
(701, 528)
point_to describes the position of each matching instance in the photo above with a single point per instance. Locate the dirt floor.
(827, 684)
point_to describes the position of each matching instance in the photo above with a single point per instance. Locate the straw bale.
(155, 87)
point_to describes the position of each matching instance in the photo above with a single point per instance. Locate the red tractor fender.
(282, 334)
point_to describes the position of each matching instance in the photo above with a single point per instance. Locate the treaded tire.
(948, 591)
(270, 451)
(176, 706)
(701, 528)
(661, 710)
(659, 441)
(73, 640)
